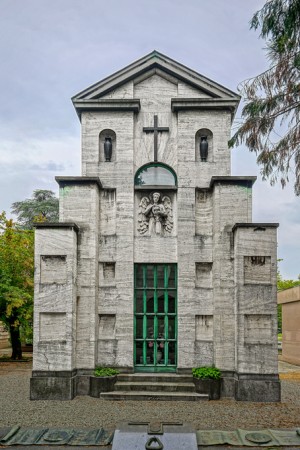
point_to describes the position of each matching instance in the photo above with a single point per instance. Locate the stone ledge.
(192, 104)
(54, 373)
(247, 181)
(254, 225)
(56, 225)
(107, 105)
(67, 181)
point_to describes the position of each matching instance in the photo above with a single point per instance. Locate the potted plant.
(102, 380)
(207, 380)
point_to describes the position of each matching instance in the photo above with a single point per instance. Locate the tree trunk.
(15, 342)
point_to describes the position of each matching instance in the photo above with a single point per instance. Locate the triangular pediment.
(196, 84)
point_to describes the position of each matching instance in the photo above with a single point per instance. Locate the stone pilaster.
(54, 311)
(255, 269)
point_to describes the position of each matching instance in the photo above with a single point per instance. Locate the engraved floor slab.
(154, 436)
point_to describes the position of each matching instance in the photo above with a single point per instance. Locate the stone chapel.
(155, 265)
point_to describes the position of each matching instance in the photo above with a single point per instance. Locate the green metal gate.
(155, 317)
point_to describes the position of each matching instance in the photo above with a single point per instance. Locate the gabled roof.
(92, 97)
(148, 62)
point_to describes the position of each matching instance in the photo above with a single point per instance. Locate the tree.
(271, 115)
(42, 207)
(16, 280)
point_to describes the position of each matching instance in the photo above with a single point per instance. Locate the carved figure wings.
(143, 222)
(168, 222)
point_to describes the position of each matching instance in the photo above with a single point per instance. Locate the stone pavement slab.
(149, 436)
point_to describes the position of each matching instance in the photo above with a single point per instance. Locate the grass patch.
(5, 358)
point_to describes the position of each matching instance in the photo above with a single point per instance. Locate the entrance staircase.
(151, 386)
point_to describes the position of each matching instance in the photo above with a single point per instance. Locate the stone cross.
(155, 130)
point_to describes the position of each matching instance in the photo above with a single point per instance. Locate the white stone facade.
(226, 265)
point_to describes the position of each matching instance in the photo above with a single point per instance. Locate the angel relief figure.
(155, 215)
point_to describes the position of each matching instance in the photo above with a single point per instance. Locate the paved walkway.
(284, 367)
(87, 412)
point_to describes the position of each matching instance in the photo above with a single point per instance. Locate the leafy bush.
(105, 372)
(206, 372)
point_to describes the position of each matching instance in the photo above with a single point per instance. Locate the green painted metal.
(154, 164)
(155, 317)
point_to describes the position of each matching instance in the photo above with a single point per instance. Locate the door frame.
(142, 285)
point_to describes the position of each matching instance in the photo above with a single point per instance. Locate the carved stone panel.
(155, 213)
(258, 328)
(204, 328)
(203, 275)
(257, 269)
(52, 326)
(53, 269)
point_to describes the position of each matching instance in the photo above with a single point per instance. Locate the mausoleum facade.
(155, 264)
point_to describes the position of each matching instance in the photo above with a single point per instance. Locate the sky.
(52, 49)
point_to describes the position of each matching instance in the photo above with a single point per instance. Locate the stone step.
(160, 378)
(158, 395)
(154, 386)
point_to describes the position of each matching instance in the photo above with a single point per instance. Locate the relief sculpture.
(155, 215)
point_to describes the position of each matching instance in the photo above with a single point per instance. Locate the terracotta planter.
(101, 384)
(208, 386)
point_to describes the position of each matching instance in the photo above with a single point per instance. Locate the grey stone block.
(258, 388)
(82, 383)
(52, 388)
(228, 384)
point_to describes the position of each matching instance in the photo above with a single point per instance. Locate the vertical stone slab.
(186, 271)
(79, 199)
(255, 270)
(54, 311)
(115, 227)
(232, 202)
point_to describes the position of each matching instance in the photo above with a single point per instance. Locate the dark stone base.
(228, 384)
(66, 385)
(101, 384)
(82, 385)
(208, 386)
(257, 388)
(52, 386)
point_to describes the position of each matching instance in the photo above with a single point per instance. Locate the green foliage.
(206, 372)
(16, 280)
(5, 358)
(105, 372)
(286, 284)
(271, 120)
(279, 318)
(42, 207)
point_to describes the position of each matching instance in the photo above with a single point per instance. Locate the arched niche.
(155, 186)
(110, 136)
(155, 174)
(205, 134)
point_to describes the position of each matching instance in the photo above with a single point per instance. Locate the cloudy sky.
(52, 49)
